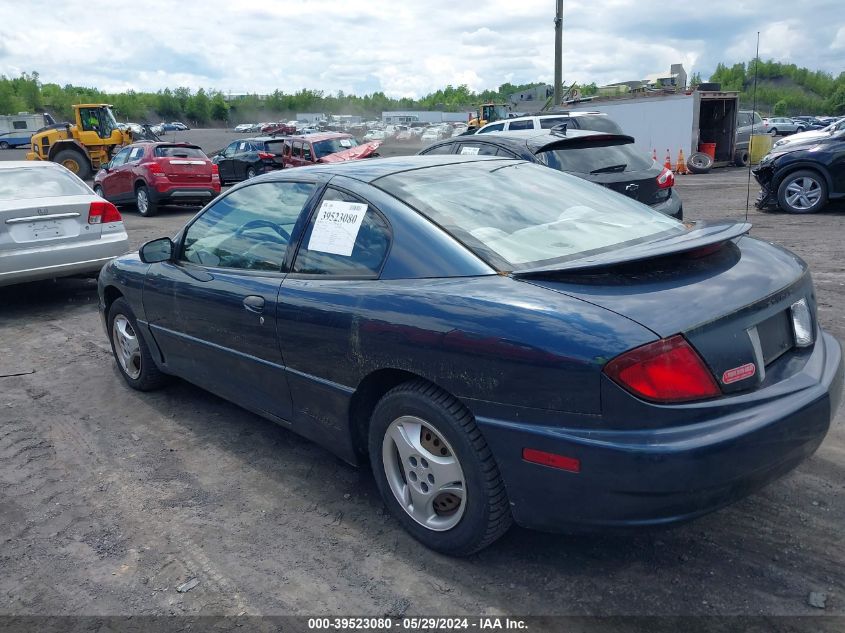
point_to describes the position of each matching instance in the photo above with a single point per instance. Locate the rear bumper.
(656, 477)
(78, 258)
(671, 206)
(180, 194)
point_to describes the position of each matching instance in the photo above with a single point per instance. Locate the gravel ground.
(110, 498)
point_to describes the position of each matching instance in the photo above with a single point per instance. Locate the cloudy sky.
(402, 47)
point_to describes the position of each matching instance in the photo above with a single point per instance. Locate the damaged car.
(803, 177)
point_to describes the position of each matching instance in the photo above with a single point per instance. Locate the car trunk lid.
(186, 170)
(732, 300)
(640, 185)
(42, 221)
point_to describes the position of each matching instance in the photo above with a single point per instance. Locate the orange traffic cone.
(654, 154)
(668, 162)
(681, 166)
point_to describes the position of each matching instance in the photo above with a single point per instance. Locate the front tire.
(4, 145)
(250, 173)
(74, 161)
(144, 202)
(803, 191)
(435, 472)
(99, 191)
(130, 350)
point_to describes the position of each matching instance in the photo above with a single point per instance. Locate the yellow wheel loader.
(82, 146)
(489, 112)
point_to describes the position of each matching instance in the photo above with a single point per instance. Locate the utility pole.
(558, 52)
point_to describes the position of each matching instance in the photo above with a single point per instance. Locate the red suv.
(152, 174)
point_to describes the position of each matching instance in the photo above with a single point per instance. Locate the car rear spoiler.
(700, 234)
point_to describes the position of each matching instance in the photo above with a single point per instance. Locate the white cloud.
(404, 48)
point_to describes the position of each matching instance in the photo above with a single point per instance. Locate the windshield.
(516, 215)
(590, 158)
(333, 145)
(39, 182)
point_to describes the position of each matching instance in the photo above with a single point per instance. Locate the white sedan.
(53, 225)
(375, 135)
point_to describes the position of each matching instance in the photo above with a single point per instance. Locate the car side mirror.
(106, 167)
(155, 251)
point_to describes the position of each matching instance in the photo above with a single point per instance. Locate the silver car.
(782, 125)
(53, 225)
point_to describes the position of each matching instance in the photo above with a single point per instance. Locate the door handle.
(254, 303)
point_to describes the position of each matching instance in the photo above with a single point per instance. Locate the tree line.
(783, 89)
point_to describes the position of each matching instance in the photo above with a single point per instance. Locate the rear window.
(584, 158)
(517, 215)
(595, 124)
(25, 183)
(548, 124)
(178, 151)
(276, 147)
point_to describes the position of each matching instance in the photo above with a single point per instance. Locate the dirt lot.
(110, 498)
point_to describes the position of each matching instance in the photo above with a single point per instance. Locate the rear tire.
(74, 161)
(803, 191)
(99, 191)
(130, 350)
(144, 202)
(773, 131)
(700, 163)
(453, 497)
(741, 158)
(4, 145)
(250, 173)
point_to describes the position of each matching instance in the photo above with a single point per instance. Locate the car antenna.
(751, 135)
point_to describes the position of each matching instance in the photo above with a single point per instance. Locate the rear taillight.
(265, 155)
(668, 370)
(214, 168)
(666, 179)
(103, 212)
(154, 168)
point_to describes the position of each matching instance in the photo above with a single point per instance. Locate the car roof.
(8, 164)
(370, 169)
(319, 136)
(537, 140)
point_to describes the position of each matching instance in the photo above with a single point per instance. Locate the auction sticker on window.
(336, 227)
(468, 150)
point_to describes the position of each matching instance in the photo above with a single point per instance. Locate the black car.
(803, 177)
(248, 157)
(610, 160)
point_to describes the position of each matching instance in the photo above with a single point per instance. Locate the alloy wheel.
(142, 200)
(803, 193)
(126, 347)
(424, 473)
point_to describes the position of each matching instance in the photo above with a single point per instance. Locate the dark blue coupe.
(501, 341)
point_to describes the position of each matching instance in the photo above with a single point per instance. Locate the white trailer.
(677, 121)
(17, 129)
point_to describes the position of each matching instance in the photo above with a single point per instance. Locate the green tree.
(219, 108)
(780, 108)
(198, 107)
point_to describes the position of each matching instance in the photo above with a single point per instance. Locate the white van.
(17, 129)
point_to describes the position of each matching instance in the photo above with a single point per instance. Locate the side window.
(507, 153)
(448, 148)
(306, 151)
(345, 238)
(528, 124)
(477, 149)
(19, 125)
(120, 157)
(249, 229)
(297, 149)
(548, 124)
(135, 155)
(231, 149)
(496, 127)
(243, 146)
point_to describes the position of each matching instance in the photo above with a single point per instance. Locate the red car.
(152, 174)
(325, 147)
